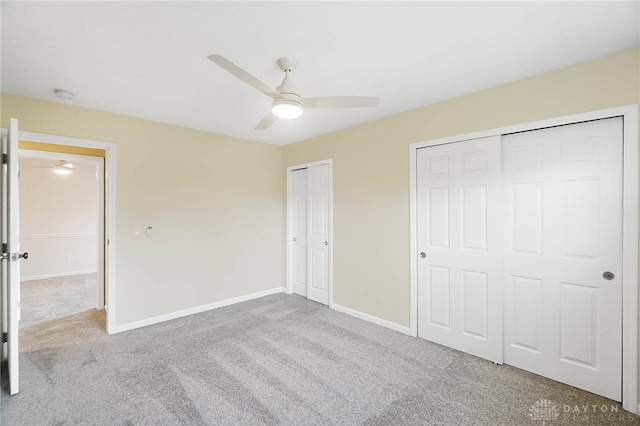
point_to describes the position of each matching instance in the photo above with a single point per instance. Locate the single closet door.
(310, 198)
(562, 254)
(459, 191)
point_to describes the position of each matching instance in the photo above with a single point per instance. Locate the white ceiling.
(149, 59)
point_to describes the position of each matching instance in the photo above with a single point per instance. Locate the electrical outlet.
(70, 258)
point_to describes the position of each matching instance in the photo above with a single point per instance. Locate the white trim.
(100, 219)
(288, 237)
(370, 318)
(630, 261)
(58, 275)
(413, 243)
(630, 229)
(331, 240)
(195, 310)
(534, 125)
(106, 239)
(58, 235)
(289, 226)
(65, 140)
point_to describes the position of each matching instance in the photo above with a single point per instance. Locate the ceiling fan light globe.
(61, 170)
(286, 109)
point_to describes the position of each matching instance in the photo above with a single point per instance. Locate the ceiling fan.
(287, 103)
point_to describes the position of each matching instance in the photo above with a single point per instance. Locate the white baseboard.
(379, 321)
(195, 310)
(58, 274)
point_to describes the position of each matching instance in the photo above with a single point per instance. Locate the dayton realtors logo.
(546, 411)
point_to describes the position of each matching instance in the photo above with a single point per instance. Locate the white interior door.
(459, 241)
(318, 233)
(299, 218)
(562, 234)
(10, 263)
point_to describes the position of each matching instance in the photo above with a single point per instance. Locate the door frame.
(106, 240)
(289, 226)
(630, 184)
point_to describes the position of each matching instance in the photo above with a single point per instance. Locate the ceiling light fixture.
(63, 94)
(63, 168)
(286, 108)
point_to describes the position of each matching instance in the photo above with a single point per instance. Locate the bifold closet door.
(310, 198)
(562, 254)
(459, 206)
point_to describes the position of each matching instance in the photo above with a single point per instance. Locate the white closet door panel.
(563, 230)
(438, 232)
(459, 232)
(527, 301)
(475, 304)
(438, 290)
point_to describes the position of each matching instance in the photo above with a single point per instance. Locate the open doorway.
(60, 201)
(63, 225)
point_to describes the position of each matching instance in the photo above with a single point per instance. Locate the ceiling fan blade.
(341, 102)
(244, 76)
(267, 121)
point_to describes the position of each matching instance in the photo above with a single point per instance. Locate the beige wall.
(371, 168)
(214, 202)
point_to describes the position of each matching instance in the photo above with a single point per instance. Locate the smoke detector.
(63, 94)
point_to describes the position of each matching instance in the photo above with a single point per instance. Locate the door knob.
(608, 275)
(423, 254)
(17, 256)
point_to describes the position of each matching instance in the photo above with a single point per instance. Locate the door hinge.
(5, 159)
(5, 337)
(4, 248)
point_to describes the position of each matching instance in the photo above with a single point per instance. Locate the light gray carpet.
(51, 298)
(276, 360)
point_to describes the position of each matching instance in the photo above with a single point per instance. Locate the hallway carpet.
(52, 298)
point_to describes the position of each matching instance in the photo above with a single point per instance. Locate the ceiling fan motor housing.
(289, 97)
(287, 64)
(287, 86)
